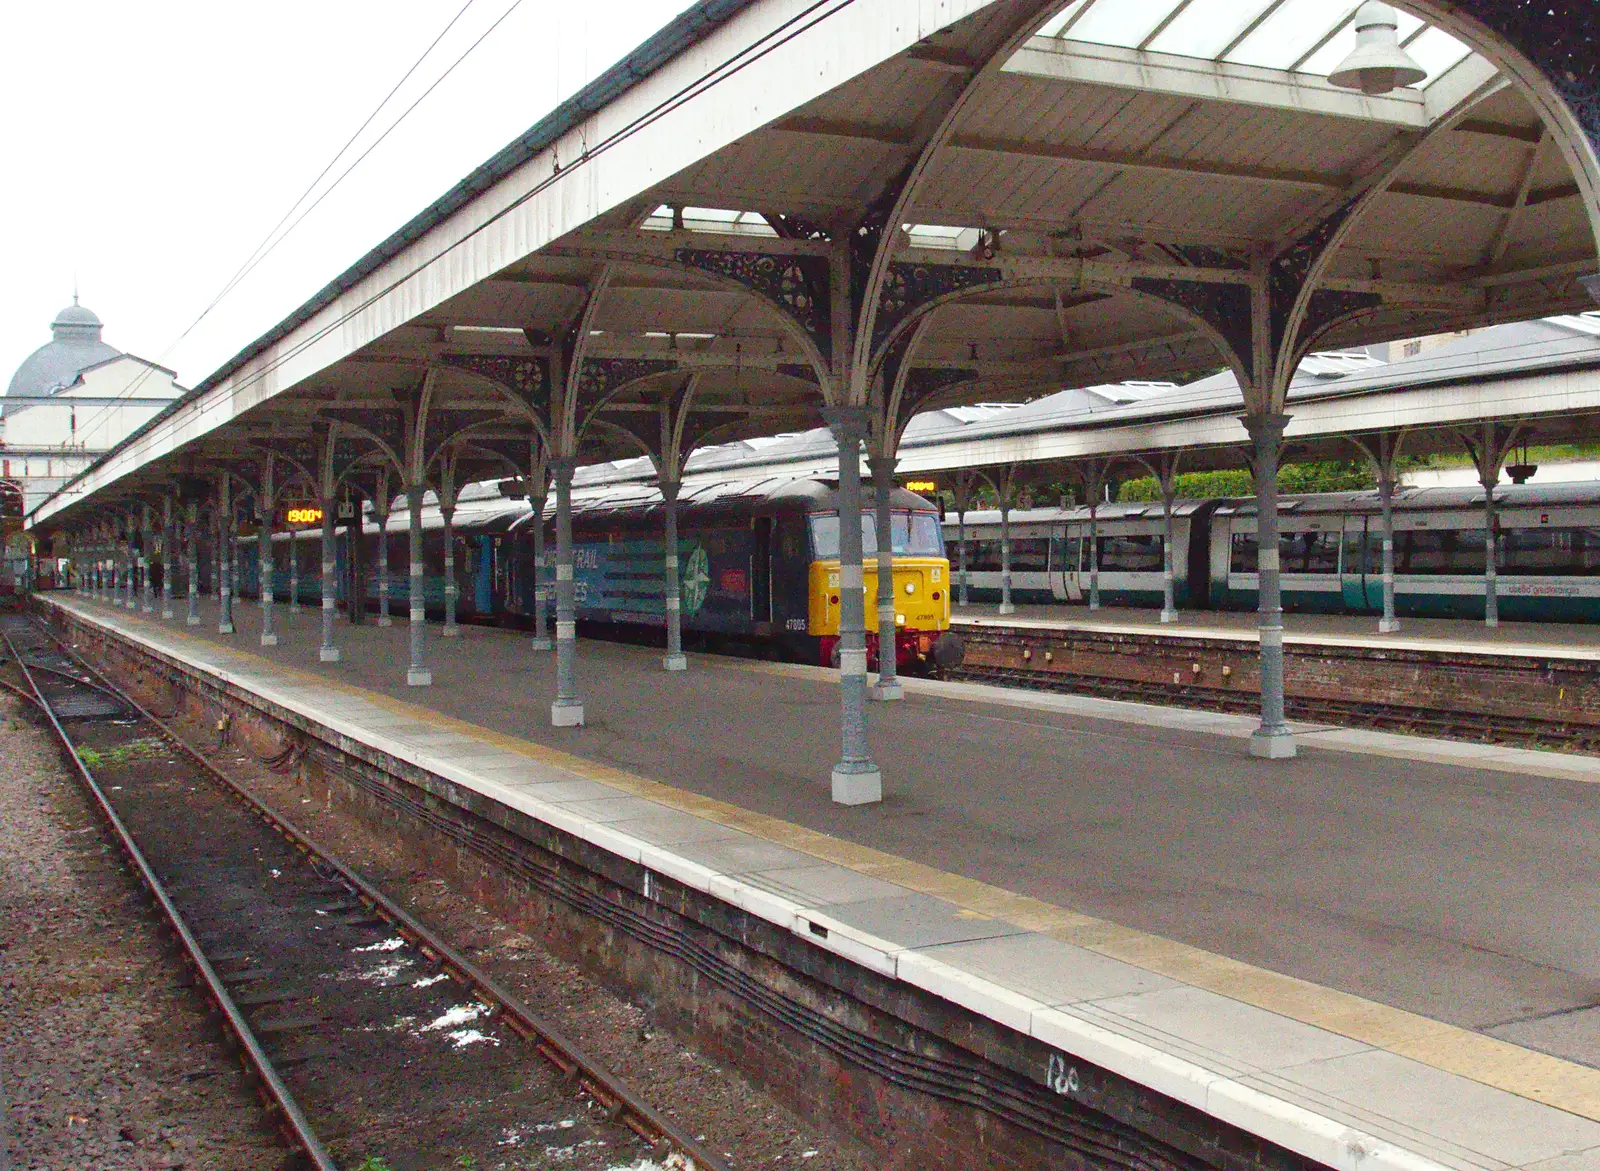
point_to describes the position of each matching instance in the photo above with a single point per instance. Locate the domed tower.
(74, 346)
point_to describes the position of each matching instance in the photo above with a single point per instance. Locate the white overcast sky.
(149, 146)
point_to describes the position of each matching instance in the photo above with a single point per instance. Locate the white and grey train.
(1331, 547)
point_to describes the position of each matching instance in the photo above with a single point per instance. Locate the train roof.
(1106, 512)
(1428, 499)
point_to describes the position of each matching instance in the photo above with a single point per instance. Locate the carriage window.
(1309, 552)
(1064, 555)
(1446, 551)
(1030, 555)
(1544, 552)
(915, 534)
(1245, 554)
(1133, 553)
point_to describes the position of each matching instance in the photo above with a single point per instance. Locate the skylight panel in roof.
(1438, 52)
(1124, 23)
(1053, 26)
(1292, 32)
(1206, 27)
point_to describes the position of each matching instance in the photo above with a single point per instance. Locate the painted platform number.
(1061, 1077)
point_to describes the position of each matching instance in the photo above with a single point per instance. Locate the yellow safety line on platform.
(1539, 1077)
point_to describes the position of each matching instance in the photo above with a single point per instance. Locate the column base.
(168, 615)
(851, 787)
(224, 628)
(328, 654)
(675, 663)
(1268, 744)
(543, 644)
(269, 640)
(1093, 606)
(419, 677)
(1168, 617)
(385, 620)
(1388, 626)
(566, 715)
(192, 620)
(1491, 623)
(886, 692)
(1006, 608)
(450, 632)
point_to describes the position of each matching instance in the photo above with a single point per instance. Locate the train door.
(761, 569)
(1357, 582)
(483, 577)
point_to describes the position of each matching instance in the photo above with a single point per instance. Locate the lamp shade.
(1378, 65)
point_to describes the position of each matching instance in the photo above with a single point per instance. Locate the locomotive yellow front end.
(921, 588)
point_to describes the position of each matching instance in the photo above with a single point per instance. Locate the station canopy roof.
(1121, 139)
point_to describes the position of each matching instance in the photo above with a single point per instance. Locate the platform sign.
(922, 487)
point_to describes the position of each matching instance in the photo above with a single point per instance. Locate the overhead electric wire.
(268, 243)
(706, 81)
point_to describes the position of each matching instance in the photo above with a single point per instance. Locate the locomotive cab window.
(914, 534)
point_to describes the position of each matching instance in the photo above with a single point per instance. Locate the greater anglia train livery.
(759, 566)
(1547, 554)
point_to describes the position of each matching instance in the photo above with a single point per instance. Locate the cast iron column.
(856, 779)
(264, 553)
(417, 675)
(327, 652)
(167, 567)
(671, 593)
(191, 531)
(1490, 480)
(1094, 551)
(294, 570)
(1272, 740)
(888, 688)
(451, 590)
(1169, 601)
(1388, 624)
(541, 588)
(225, 557)
(383, 563)
(567, 710)
(1006, 606)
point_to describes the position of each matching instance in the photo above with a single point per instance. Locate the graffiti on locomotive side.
(1062, 1077)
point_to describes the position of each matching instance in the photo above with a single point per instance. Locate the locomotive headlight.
(911, 587)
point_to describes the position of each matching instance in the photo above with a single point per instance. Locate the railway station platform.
(1537, 639)
(1380, 954)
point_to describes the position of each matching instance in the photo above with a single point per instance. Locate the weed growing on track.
(123, 753)
(373, 1163)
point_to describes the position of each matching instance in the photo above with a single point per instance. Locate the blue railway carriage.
(1052, 553)
(1331, 547)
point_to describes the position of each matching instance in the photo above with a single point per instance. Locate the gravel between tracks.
(737, 1120)
(106, 1064)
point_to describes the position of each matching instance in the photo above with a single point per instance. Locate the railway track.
(1476, 727)
(366, 1035)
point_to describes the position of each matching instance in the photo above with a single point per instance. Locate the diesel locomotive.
(759, 566)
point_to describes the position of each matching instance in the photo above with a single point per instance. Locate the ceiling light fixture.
(1378, 65)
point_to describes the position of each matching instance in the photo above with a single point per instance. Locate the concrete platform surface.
(1539, 639)
(1336, 952)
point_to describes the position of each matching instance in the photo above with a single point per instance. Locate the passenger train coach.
(759, 566)
(1330, 547)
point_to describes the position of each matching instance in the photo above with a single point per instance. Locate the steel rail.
(576, 1065)
(282, 1101)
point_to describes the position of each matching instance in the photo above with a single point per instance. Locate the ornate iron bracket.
(798, 286)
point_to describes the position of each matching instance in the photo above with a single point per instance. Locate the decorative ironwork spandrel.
(1224, 307)
(526, 378)
(909, 287)
(797, 285)
(599, 377)
(386, 425)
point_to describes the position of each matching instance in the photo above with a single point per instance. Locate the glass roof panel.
(1125, 23)
(1290, 33)
(1438, 52)
(1053, 26)
(1207, 27)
